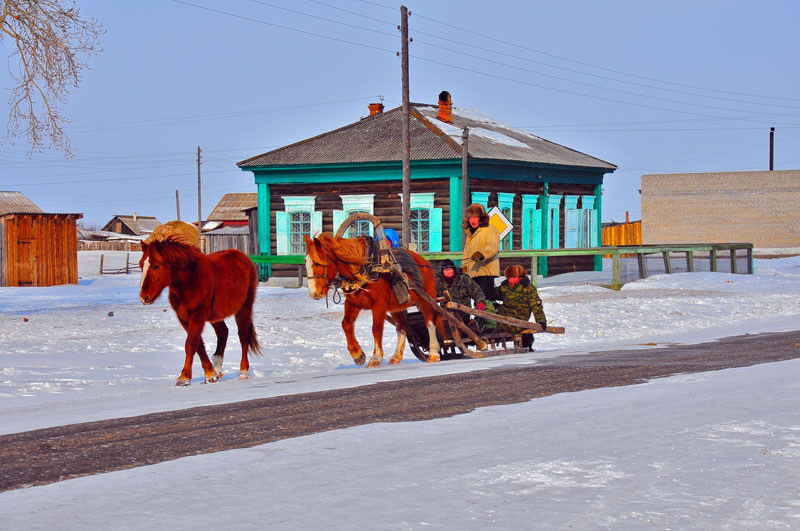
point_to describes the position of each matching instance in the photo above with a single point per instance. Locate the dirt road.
(53, 454)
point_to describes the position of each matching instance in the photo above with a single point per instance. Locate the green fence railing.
(715, 251)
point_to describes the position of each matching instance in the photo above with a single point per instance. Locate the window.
(353, 204)
(505, 202)
(299, 226)
(420, 229)
(426, 223)
(581, 222)
(553, 221)
(297, 220)
(531, 222)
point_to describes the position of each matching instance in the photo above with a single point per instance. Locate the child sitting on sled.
(520, 299)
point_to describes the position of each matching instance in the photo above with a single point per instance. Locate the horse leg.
(244, 325)
(378, 318)
(350, 314)
(222, 339)
(399, 319)
(431, 322)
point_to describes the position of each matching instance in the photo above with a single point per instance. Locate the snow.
(710, 450)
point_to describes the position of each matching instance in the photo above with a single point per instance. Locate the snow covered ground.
(704, 451)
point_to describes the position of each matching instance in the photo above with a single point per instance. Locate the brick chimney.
(445, 107)
(375, 108)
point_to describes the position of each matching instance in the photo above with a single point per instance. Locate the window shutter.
(594, 231)
(435, 240)
(537, 229)
(316, 223)
(572, 223)
(282, 232)
(527, 222)
(338, 218)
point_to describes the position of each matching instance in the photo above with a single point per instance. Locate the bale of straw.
(178, 230)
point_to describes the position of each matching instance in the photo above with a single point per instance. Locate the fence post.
(642, 265)
(690, 261)
(734, 269)
(714, 260)
(300, 269)
(127, 259)
(535, 270)
(750, 261)
(101, 264)
(667, 262)
(615, 269)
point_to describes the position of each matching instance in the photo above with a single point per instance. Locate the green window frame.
(553, 221)
(482, 198)
(292, 223)
(426, 223)
(505, 202)
(531, 222)
(352, 204)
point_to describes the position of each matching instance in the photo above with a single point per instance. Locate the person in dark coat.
(520, 300)
(461, 287)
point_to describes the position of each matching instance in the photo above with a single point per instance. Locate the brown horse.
(203, 288)
(329, 257)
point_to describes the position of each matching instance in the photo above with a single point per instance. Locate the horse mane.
(346, 250)
(174, 250)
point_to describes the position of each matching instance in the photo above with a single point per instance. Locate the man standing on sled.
(520, 300)
(481, 261)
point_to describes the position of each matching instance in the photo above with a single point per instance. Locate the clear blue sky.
(653, 87)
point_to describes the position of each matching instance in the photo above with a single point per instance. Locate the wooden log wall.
(623, 234)
(386, 206)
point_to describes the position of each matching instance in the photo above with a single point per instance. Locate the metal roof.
(16, 202)
(378, 138)
(232, 206)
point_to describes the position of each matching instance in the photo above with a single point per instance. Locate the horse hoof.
(183, 382)
(361, 360)
(375, 363)
(243, 375)
(393, 361)
(433, 358)
(213, 379)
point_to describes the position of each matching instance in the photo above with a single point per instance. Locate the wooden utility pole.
(406, 224)
(178, 205)
(199, 196)
(771, 147)
(464, 173)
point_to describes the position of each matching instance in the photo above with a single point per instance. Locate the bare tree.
(51, 44)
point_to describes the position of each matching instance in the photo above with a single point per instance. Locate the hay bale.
(179, 230)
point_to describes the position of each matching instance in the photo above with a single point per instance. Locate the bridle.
(349, 283)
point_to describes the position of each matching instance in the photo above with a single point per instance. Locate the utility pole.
(464, 173)
(406, 211)
(771, 146)
(178, 205)
(199, 196)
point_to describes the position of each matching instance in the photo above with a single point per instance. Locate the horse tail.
(252, 341)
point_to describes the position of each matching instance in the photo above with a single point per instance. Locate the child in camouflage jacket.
(520, 298)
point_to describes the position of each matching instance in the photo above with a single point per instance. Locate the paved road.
(53, 454)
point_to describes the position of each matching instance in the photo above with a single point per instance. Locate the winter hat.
(476, 210)
(448, 264)
(514, 271)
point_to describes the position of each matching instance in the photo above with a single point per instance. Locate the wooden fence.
(714, 251)
(622, 234)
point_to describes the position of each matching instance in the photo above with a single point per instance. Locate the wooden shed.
(549, 192)
(227, 225)
(132, 225)
(38, 249)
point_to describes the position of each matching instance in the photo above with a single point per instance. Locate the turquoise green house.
(549, 192)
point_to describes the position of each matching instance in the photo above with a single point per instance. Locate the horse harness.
(380, 260)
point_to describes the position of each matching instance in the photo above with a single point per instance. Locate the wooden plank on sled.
(525, 325)
(452, 319)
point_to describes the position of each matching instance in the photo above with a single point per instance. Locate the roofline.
(40, 213)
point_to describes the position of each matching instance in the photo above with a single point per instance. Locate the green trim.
(544, 206)
(598, 203)
(456, 232)
(264, 225)
(482, 198)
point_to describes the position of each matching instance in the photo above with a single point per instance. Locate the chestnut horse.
(330, 257)
(203, 288)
